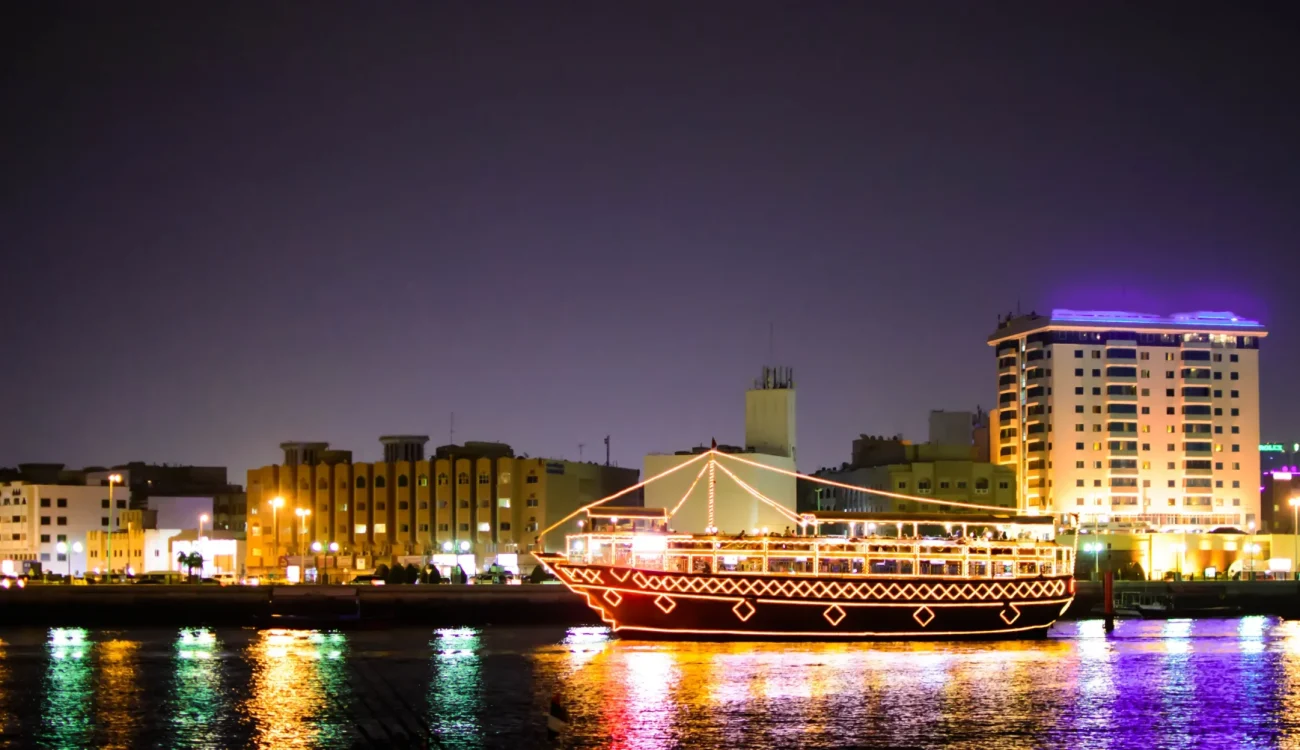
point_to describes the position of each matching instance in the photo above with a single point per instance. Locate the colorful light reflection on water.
(1180, 683)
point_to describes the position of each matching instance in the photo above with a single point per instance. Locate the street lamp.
(302, 514)
(1252, 550)
(1095, 549)
(277, 503)
(1181, 549)
(62, 547)
(1295, 535)
(203, 518)
(112, 480)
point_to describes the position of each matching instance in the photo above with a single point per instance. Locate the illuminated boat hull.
(652, 603)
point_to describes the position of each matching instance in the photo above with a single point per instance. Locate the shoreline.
(452, 606)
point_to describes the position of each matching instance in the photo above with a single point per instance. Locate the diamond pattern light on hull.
(1010, 614)
(923, 616)
(665, 603)
(613, 597)
(954, 591)
(744, 610)
(834, 615)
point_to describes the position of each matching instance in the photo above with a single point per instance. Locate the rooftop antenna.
(451, 431)
(607, 450)
(771, 341)
(580, 446)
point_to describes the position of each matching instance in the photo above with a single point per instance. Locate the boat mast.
(712, 483)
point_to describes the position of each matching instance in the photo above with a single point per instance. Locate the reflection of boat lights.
(456, 633)
(586, 639)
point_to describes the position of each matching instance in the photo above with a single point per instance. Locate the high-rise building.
(1114, 414)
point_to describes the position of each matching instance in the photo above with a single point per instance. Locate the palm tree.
(191, 561)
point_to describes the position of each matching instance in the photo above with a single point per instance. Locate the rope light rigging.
(712, 465)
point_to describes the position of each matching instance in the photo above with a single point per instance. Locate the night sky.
(228, 226)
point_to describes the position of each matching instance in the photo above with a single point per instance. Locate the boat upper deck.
(1012, 552)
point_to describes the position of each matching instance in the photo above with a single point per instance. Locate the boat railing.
(882, 557)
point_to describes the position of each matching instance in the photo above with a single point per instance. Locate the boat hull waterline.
(687, 606)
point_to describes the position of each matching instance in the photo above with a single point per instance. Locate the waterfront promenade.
(453, 606)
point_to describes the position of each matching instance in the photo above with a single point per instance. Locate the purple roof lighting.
(1189, 319)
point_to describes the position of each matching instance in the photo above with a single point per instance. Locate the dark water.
(1229, 683)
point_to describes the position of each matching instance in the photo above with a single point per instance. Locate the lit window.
(503, 502)
(361, 528)
(485, 527)
(380, 528)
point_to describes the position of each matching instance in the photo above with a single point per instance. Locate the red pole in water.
(1108, 599)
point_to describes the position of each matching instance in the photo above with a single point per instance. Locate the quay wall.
(456, 606)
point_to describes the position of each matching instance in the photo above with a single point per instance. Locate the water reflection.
(455, 687)
(117, 692)
(1227, 683)
(298, 688)
(196, 713)
(67, 692)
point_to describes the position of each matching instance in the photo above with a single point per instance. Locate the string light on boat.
(713, 484)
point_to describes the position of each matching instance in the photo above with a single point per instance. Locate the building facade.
(34, 518)
(934, 470)
(1114, 414)
(1279, 489)
(477, 500)
(770, 440)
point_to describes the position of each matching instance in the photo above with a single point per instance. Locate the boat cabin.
(868, 545)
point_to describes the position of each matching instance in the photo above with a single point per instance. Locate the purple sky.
(222, 230)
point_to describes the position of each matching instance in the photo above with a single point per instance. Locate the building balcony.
(1198, 451)
(1122, 433)
(1198, 472)
(1121, 379)
(1122, 472)
(1122, 453)
(1196, 399)
(1122, 397)
(1197, 417)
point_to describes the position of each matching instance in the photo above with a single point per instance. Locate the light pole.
(277, 503)
(1295, 536)
(203, 518)
(302, 514)
(1180, 548)
(334, 551)
(62, 547)
(1095, 549)
(112, 480)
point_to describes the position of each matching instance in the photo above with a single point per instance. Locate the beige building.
(476, 499)
(938, 471)
(770, 440)
(1122, 415)
(1183, 555)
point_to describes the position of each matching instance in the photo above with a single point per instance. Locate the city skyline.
(561, 226)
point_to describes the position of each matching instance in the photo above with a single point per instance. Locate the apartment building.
(1116, 414)
(478, 500)
(34, 518)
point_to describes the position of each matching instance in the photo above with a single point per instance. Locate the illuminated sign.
(1272, 448)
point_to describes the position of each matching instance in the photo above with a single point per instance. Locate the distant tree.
(412, 573)
(396, 575)
(190, 562)
(432, 575)
(538, 575)
(381, 571)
